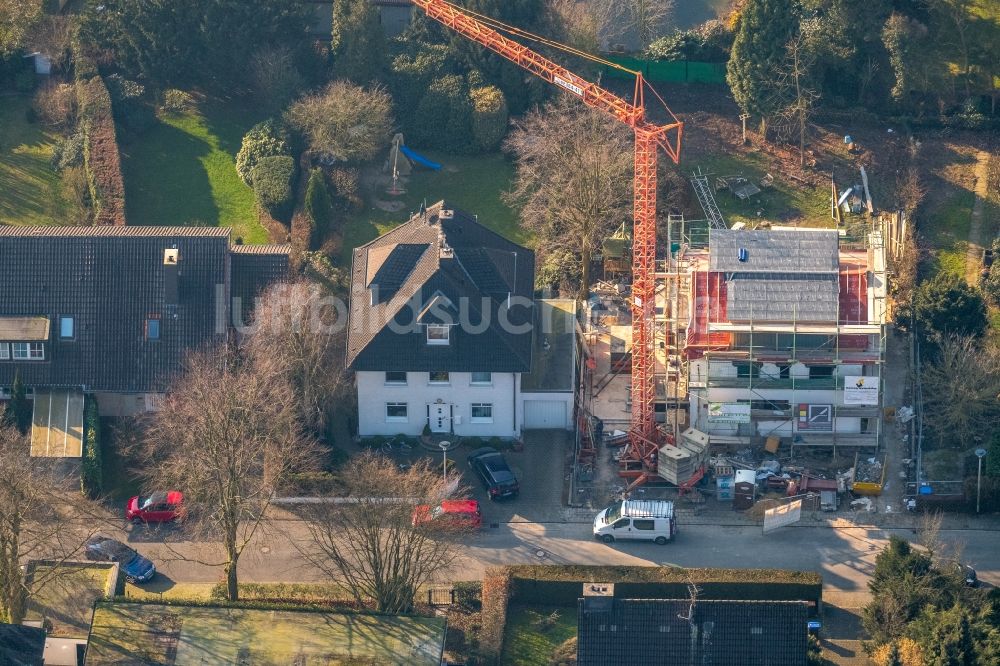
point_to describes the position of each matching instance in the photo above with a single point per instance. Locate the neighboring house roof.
(254, 268)
(111, 280)
(675, 631)
(778, 275)
(437, 269)
(21, 645)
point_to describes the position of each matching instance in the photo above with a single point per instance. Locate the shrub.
(318, 206)
(273, 180)
(100, 152)
(413, 72)
(128, 101)
(311, 484)
(469, 595)
(495, 598)
(709, 42)
(68, 152)
(55, 105)
(443, 118)
(347, 189)
(265, 139)
(176, 101)
(76, 194)
(489, 117)
(91, 474)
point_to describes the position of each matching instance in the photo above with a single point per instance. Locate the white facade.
(456, 406)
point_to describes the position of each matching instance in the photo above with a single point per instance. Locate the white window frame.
(63, 321)
(474, 382)
(439, 382)
(4, 351)
(397, 419)
(30, 351)
(439, 340)
(394, 382)
(480, 419)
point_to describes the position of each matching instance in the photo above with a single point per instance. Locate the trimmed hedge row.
(535, 584)
(101, 160)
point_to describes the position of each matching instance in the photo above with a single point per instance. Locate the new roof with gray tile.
(778, 275)
(423, 272)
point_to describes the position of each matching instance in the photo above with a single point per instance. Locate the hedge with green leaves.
(319, 207)
(101, 159)
(489, 117)
(265, 139)
(273, 184)
(91, 474)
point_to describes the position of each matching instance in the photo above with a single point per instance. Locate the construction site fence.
(668, 71)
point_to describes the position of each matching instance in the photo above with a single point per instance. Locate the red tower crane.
(640, 458)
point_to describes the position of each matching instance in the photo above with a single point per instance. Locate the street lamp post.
(444, 466)
(980, 454)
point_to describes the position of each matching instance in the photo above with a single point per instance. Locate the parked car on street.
(158, 507)
(135, 567)
(458, 513)
(492, 469)
(643, 520)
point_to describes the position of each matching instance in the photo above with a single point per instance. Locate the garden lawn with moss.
(30, 189)
(182, 172)
(533, 633)
(472, 183)
(947, 231)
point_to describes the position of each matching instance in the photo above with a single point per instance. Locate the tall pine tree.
(357, 42)
(763, 30)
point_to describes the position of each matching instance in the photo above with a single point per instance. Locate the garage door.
(544, 414)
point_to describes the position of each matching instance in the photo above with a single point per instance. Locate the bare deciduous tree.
(227, 435)
(796, 98)
(647, 19)
(344, 121)
(40, 517)
(275, 78)
(298, 332)
(961, 390)
(574, 175)
(370, 543)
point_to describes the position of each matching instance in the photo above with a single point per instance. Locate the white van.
(643, 520)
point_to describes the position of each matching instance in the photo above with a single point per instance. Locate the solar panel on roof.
(397, 266)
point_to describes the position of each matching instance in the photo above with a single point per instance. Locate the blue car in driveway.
(137, 569)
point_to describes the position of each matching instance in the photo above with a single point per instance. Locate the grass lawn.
(67, 599)
(947, 231)
(183, 171)
(150, 633)
(527, 643)
(30, 189)
(472, 183)
(783, 203)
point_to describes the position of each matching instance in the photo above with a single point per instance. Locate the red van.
(460, 513)
(159, 507)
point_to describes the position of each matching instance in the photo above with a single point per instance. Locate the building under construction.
(771, 337)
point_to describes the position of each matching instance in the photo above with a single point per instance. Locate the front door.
(440, 417)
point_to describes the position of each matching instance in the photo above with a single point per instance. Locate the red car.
(158, 507)
(460, 513)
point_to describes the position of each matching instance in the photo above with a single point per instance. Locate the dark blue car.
(137, 569)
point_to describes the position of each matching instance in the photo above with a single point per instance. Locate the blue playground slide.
(420, 159)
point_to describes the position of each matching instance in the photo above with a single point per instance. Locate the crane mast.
(640, 457)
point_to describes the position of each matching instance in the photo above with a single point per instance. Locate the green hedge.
(563, 585)
(91, 470)
(273, 182)
(101, 160)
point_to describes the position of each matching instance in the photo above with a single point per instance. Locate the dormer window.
(437, 334)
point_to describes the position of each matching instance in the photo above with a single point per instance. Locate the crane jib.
(568, 85)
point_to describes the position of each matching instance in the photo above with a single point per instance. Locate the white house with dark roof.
(444, 330)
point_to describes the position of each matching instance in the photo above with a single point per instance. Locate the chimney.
(444, 250)
(171, 260)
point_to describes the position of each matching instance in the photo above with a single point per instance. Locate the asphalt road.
(843, 556)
